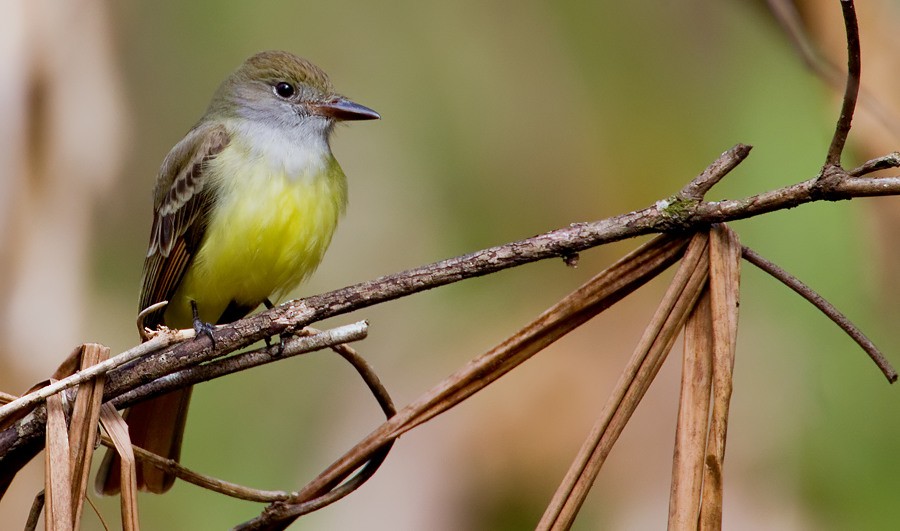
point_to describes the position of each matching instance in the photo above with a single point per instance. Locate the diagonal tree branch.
(673, 214)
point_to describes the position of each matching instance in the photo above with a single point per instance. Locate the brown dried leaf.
(724, 285)
(648, 356)
(693, 418)
(57, 474)
(117, 430)
(84, 426)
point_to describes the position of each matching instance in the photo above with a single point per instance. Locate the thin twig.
(851, 92)
(217, 368)
(886, 162)
(34, 515)
(714, 173)
(338, 490)
(709, 212)
(97, 513)
(365, 370)
(297, 510)
(235, 490)
(785, 13)
(183, 473)
(369, 376)
(825, 307)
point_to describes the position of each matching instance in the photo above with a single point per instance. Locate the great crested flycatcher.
(244, 207)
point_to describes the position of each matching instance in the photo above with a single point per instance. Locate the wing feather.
(182, 200)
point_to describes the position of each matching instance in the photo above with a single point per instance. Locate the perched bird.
(244, 208)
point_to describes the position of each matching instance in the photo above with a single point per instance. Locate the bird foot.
(202, 328)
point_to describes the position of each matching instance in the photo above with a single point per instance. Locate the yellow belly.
(267, 232)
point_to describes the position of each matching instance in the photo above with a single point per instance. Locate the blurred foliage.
(503, 120)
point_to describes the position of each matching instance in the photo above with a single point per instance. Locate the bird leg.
(201, 328)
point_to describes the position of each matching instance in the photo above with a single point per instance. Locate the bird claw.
(202, 328)
(268, 304)
(279, 350)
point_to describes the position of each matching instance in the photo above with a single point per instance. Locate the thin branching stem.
(218, 368)
(825, 307)
(851, 91)
(891, 160)
(785, 13)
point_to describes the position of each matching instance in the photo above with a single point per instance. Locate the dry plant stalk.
(83, 428)
(713, 326)
(58, 475)
(70, 448)
(724, 291)
(115, 427)
(695, 500)
(693, 418)
(643, 366)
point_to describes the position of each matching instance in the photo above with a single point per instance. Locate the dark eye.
(284, 89)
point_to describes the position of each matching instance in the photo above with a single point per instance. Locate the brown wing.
(182, 199)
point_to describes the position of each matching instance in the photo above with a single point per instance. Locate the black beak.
(342, 109)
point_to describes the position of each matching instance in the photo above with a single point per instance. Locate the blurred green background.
(502, 120)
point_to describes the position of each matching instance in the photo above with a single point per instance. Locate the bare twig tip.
(891, 160)
(714, 173)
